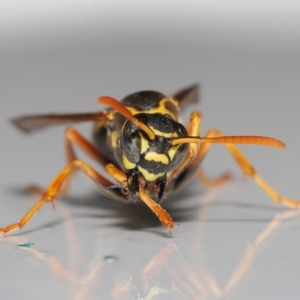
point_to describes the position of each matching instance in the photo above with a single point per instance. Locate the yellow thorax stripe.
(164, 134)
(160, 109)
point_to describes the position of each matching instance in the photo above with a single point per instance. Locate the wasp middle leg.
(72, 136)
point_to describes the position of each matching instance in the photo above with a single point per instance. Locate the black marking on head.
(153, 167)
(162, 123)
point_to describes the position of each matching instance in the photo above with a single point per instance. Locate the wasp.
(146, 151)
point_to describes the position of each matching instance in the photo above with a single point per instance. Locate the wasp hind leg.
(246, 167)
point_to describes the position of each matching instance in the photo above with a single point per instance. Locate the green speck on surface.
(110, 258)
(26, 245)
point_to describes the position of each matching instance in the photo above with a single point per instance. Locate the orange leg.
(195, 162)
(203, 149)
(246, 168)
(193, 130)
(54, 188)
(163, 216)
(72, 136)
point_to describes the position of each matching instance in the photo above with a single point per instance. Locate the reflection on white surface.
(85, 257)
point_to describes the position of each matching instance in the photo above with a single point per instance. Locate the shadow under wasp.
(144, 148)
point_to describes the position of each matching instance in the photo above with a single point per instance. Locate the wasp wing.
(31, 123)
(187, 95)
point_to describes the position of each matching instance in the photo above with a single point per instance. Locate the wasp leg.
(162, 215)
(193, 130)
(73, 136)
(52, 191)
(246, 167)
(203, 178)
(117, 174)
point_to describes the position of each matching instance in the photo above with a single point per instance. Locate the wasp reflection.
(163, 270)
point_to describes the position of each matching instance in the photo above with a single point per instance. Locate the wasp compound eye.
(131, 142)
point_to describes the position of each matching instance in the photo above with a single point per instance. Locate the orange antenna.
(185, 140)
(127, 114)
(246, 139)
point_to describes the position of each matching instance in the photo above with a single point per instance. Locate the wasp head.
(150, 161)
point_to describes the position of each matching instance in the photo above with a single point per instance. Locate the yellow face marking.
(149, 176)
(173, 151)
(114, 139)
(157, 157)
(128, 165)
(144, 143)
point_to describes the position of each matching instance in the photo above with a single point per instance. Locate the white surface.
(247, 60)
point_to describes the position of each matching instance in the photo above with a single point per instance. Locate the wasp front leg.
(193, 130)
(194, 157)
(162, 214)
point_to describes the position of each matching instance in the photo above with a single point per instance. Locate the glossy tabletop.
(233, 241)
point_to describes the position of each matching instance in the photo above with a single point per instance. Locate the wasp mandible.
(146, 152)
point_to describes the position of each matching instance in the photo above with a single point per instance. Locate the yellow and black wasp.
(144, 148)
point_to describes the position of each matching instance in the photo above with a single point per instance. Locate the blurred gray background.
(60, 56)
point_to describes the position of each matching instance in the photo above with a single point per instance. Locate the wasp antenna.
(248, 139)
(127, 114)
(186, 140)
